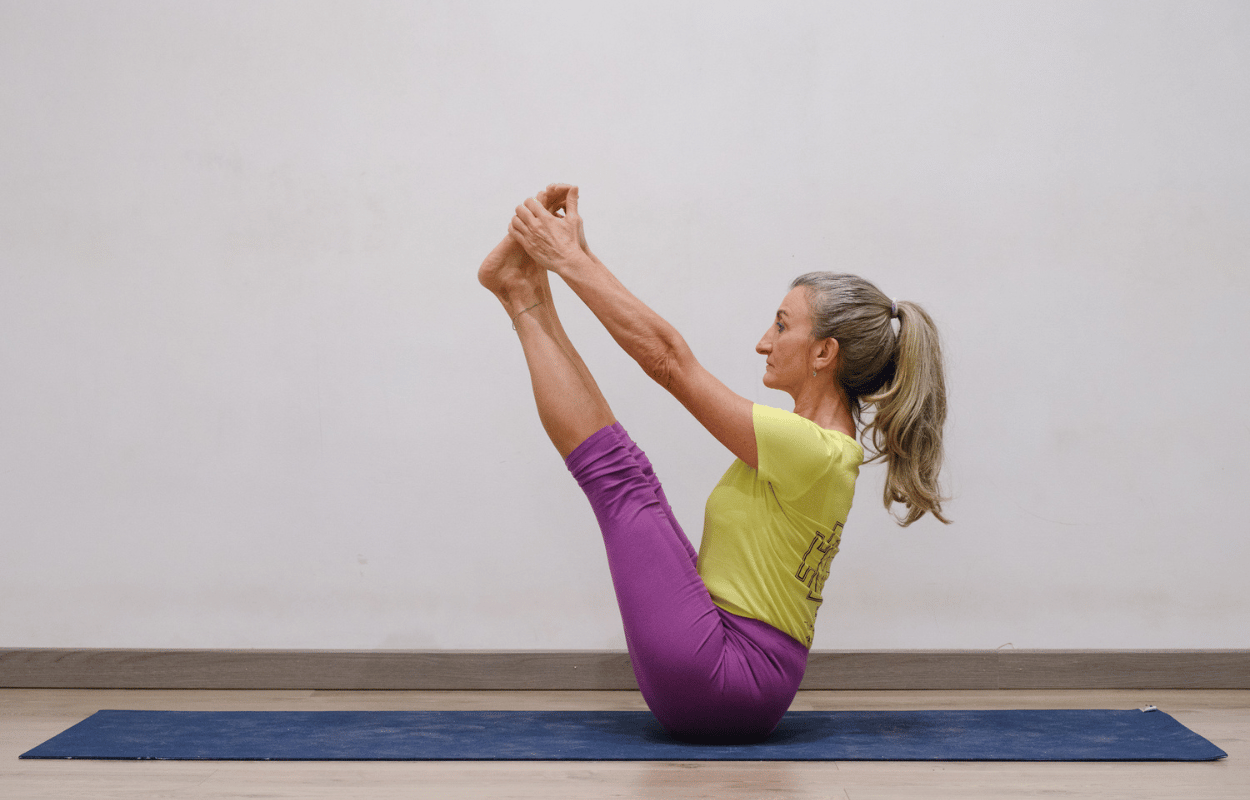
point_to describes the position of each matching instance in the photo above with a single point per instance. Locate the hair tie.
(893, 309)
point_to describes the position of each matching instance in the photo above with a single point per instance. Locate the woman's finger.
(517, 227)
(526, 217)
(536, 207)
(555, 196)
(521, 234)
(516, 235)
(553, 204)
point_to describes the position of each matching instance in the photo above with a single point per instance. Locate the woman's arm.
(557, 244)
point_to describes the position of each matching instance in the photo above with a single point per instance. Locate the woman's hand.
(553, 199)
(554, 242)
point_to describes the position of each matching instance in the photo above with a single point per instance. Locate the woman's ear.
(827, 353)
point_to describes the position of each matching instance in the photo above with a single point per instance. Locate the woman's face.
(789, 345)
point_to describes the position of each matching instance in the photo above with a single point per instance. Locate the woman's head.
(793, 352)
(898, 373)
(858, 315)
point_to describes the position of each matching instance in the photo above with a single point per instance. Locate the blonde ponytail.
(909, 411)
(898, 375)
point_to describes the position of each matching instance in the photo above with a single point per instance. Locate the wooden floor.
(30, 716)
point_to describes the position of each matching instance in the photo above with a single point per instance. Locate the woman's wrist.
(575, 264)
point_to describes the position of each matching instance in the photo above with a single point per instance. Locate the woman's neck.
(828, 408)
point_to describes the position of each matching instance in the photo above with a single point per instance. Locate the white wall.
(251, 395)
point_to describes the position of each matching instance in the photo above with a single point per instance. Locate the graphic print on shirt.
(815, 567)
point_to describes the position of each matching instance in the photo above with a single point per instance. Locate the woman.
(718, 640)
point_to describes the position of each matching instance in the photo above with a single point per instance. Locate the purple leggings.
(706, 674)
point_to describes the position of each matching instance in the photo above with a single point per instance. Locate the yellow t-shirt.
(769, 534)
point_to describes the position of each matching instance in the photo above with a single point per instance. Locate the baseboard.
(608, 670)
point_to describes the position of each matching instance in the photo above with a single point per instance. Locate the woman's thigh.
(704, 672)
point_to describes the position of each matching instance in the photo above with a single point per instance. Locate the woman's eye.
(780, 327)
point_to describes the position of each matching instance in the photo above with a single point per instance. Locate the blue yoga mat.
(1048, 735)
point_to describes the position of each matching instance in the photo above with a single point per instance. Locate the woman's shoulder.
(791, 430)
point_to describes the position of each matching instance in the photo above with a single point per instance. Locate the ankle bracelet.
(522, 311)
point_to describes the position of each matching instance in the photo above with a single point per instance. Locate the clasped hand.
(552, 239)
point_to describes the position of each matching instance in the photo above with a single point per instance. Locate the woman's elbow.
(665, 362)
(660, 368)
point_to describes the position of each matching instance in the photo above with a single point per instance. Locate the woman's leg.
(648, 474)
(704, 673)
(570, 405)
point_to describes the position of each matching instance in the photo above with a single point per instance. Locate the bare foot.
(505, 264)
(508, 271)
(513, 277)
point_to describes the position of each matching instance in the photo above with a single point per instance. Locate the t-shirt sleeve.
(792, 452)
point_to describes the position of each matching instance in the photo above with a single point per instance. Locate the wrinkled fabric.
(706, 674)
